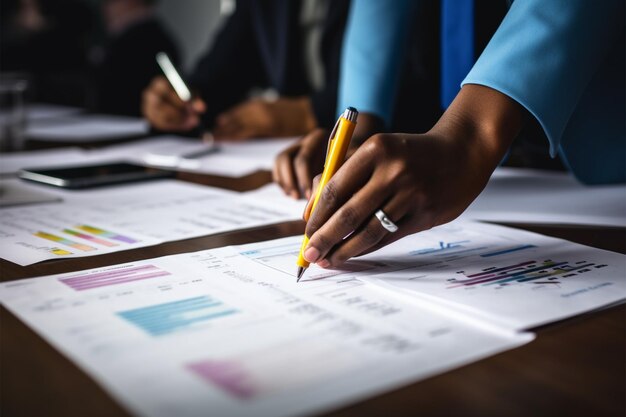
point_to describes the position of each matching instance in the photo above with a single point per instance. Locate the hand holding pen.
(396, 184)
(168, 103)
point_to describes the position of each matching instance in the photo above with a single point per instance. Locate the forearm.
(486, 120)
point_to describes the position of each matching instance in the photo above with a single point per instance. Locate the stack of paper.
(230, 159)
(517, 195)
(86, 128)
(112, 219)
(228, 330)
(42, 111)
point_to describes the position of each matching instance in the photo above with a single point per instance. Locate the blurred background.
(84, 52)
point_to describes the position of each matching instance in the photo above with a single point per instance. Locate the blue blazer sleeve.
(373, 52)
(546, 52)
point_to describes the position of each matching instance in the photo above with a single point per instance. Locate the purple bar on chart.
(113, 277)
(105, 233)
(230, 376)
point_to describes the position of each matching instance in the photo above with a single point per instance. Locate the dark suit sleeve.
(231, 67)
(324, 102)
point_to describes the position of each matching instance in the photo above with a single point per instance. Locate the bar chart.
(545, 271)
(114, 277)
(165, 318)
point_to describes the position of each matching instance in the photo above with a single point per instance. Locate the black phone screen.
(93, 175)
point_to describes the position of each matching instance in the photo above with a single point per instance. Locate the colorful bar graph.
(113, 277)
(230, 376)
(170, 317)
(63, 241)
(105, 233)
(530, 271)
(89, 238)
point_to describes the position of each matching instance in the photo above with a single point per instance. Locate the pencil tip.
(300, 273)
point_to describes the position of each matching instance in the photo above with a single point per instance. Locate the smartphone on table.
(86, 176)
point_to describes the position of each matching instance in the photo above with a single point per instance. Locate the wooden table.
(574, 367)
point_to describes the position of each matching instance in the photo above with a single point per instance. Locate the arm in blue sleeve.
(373, 52)
(545, 53)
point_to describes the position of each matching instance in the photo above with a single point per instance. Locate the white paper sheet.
(86, 128)
(531, 196)
(11, 163)
(118, 218)
(229, 160)
(40, 111)
(14, 192)
(510, 277)
(218, 332)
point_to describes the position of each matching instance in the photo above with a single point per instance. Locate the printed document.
(104, 220)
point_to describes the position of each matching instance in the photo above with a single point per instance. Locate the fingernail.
(311, 254)
(324, 263)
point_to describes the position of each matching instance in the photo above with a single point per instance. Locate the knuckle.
(349, 217)
(329, 194)
(283, 158)
(398, 169)
(377, 143)
(379, 139)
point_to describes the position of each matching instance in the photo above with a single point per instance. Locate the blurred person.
(291, 47)
(125, 63)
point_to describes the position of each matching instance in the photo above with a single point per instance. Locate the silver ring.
(385, 222)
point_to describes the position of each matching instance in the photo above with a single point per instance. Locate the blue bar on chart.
(170, 317)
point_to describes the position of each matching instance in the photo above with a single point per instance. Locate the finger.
(162, 114)
(309, 161)
(348, 218)
(161, 87)
(164, 109)
(408, 225)
(198, 105)
(285, 173)
(371, 234)
(353, 175)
